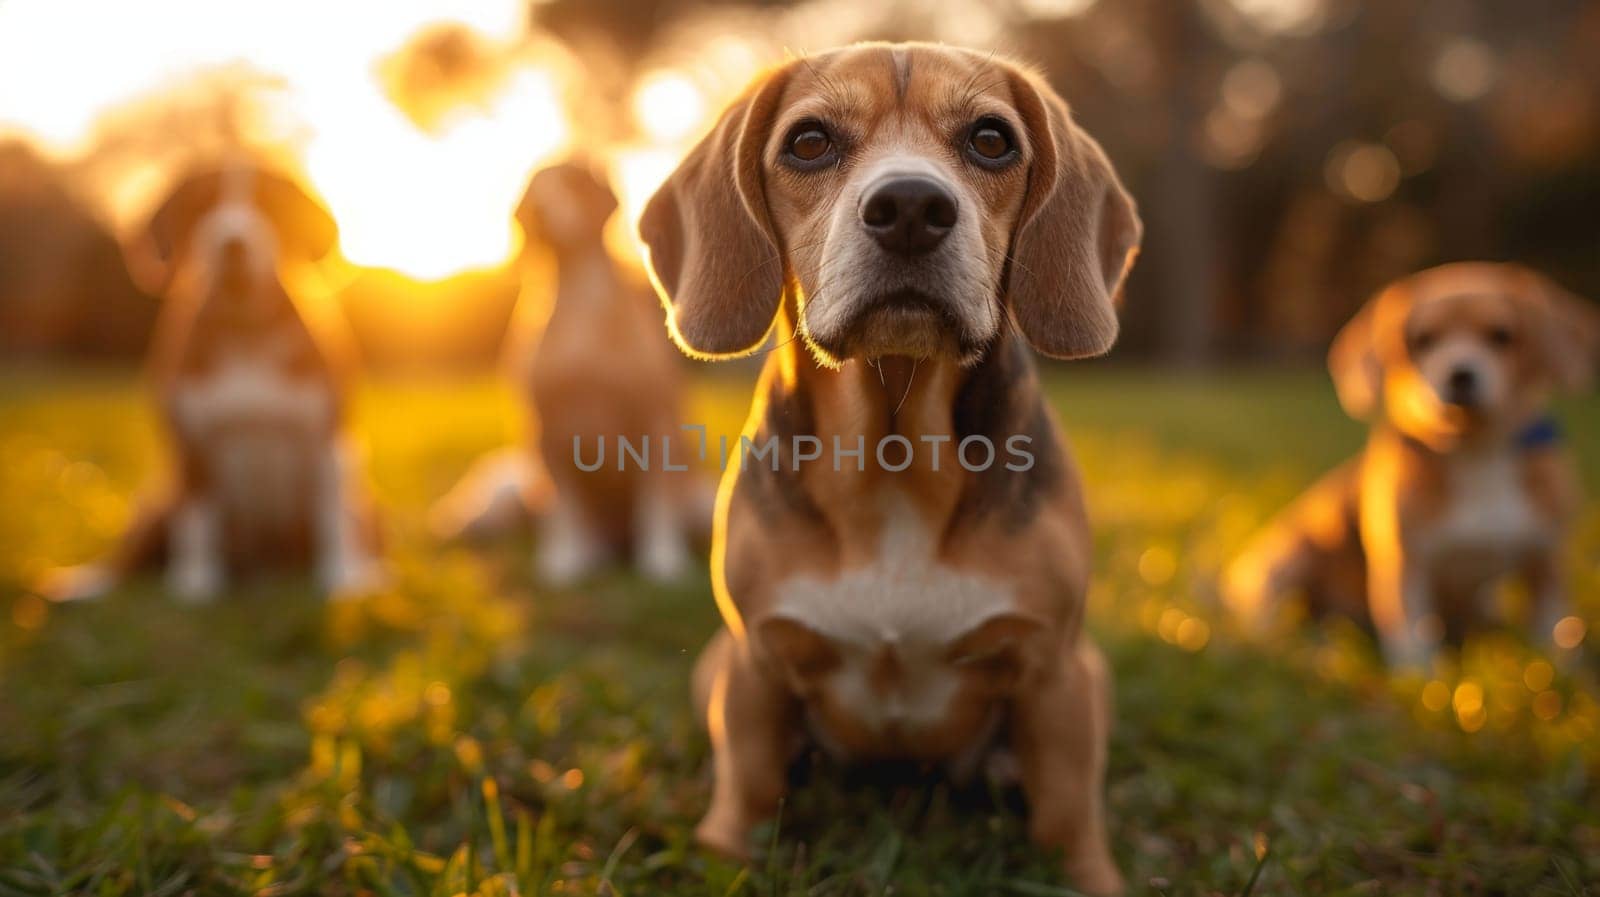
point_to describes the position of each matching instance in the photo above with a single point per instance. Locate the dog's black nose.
(1463, 387)
(231, 247)
(909, 215)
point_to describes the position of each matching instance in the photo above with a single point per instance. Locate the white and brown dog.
(594, 369)
(1464, 481)
(252, 394)
(904, 574)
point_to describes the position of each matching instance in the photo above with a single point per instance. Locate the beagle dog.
(901, 554)
(252, 394)
(1464, 480)
(594, 370)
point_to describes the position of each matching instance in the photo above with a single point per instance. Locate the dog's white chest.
(904, 604)
(249, 392)
(1489, 522)
(256, 427)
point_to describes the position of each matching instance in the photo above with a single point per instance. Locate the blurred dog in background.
(1464, 481)
(594, 366)
(251, 388)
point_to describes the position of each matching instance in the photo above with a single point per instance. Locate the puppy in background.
(595, 366)
(251, 390)
(907, 218)
(1464, 481)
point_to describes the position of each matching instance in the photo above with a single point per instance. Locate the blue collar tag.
(1542, 433)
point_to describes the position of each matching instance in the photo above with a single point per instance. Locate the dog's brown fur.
(1444, 503)
(252, 388)
(592, 367)
(930, 612)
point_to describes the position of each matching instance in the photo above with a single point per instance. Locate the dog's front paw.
(194, 583)
(1098, 877)
(566, 559)
(354, 580)
(1412, 648)
(724, 833)
(1411, 658)
(665, 562)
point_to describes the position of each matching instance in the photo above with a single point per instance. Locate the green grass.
(471, 733)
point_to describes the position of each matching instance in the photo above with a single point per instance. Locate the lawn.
(472, 733)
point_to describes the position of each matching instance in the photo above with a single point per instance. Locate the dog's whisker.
(1011, 317)
(770, 349)
(966, 92)
(827, 82)
(974, 94)
(915, 362)
(778, 257)
(1018, 262)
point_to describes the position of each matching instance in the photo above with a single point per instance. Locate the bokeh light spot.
(1167, 628)
(1366, 172)
(1538, 676)
(1436, 696)
(29, 612)
(1193, 634)
(1283, 16)
(1055, 9)
(1569, 633)
(1468, 704)
(437, 695)
(1252, 88)
(1157, 566)
(1464, 70)
(469, 754)
(1547, 705)
(668, 106)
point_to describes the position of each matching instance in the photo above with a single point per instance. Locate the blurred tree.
(1289, 156)
(62, 282)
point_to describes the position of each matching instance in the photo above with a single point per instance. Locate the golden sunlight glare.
(668, 106)
(427, 203)
(670, 112)
(431, 205)
(636, 172)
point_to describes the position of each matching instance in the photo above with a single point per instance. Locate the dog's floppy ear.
(713, 253)
(152, 256)
(1571, 333)
(1354, 362)
(1077, 234)
(802, 654)
(305, 228)
(527, 213)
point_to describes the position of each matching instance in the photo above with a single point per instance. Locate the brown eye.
(1501, 337)
(809, 144)
(990, 143)
(1423, 340)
